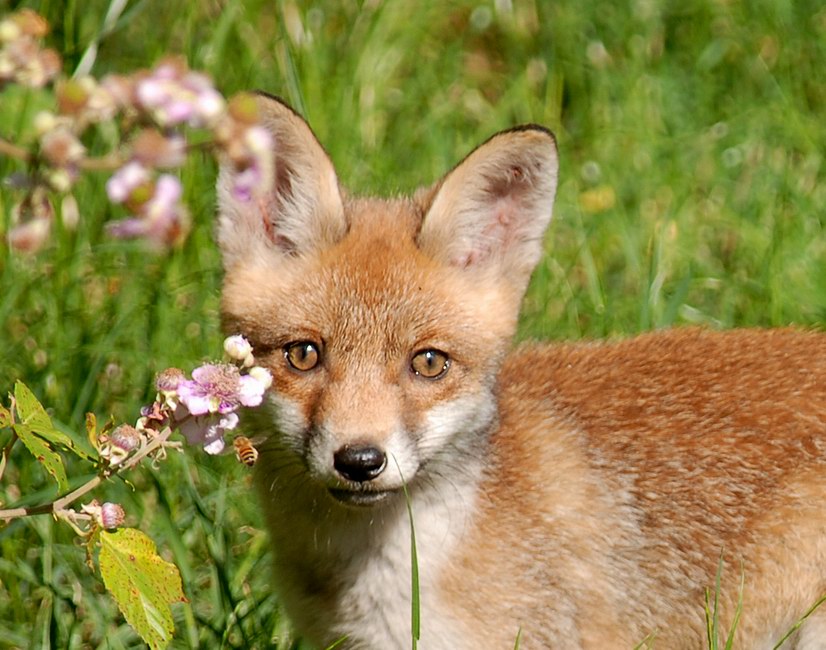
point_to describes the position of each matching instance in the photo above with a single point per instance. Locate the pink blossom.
(164, 201)
(251, 391)
(208, 430)
(125, 181)
(162, 218)
(214, 388)
(174, 95)
(255, 166)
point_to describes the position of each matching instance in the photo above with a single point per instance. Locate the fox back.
(571, 495)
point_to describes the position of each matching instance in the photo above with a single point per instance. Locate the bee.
(245, 451)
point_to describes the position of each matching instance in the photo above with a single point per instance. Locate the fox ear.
(302, 212)
(492, 209)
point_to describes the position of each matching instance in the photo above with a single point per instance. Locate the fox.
(423, 476)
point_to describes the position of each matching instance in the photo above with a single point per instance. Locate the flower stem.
(13, 151)
(60, 504)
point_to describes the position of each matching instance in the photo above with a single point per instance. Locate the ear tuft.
(494, 207)
(303, 211)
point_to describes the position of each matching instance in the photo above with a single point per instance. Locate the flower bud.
(127, 181)
(61, 147)
(111, 515)
(69, 212)
(72, 96)
(9, 31)
(118, 444)
(239, 349)
(59, 180)
(29, 237)
(243, 108)
(168, 380)
(125, 437)
(44, 122)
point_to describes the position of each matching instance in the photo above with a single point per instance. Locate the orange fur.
(581, 493)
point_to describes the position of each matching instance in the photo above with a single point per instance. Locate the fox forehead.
(374, 292)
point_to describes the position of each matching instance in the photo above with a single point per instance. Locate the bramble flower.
(160, 217)
(124, 183)
(219, 388)
(208, 430)
(173, 95)
(22, 60)
(121, 89)
(248, 146)
(262, 376)
(208, 402)
(62, 150)
(255, 173)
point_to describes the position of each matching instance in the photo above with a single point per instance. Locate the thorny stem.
(105, 163)
(59, 505)
(109, 162)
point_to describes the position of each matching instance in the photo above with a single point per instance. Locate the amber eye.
(430, 364)
(302, 355)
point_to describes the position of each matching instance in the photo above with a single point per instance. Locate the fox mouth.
(360, 498)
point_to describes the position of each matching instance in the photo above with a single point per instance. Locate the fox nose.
(359, 463)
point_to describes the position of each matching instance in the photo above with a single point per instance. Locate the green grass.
(691, 139)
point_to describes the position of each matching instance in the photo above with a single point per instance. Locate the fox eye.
(302, 355)
(430, 364)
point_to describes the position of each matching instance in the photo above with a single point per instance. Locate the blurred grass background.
(692, 139)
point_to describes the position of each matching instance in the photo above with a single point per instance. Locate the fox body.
(575, 495)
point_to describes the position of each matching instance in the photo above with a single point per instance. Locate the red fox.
(572, 495)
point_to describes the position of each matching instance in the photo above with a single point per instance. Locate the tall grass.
(692, 142)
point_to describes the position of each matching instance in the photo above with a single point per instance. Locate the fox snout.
(359, 463)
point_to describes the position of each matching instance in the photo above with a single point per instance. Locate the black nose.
(359, 463)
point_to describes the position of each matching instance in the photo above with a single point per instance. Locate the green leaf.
(34, 418)
(32, 421)
(50, 459)
(142, 583)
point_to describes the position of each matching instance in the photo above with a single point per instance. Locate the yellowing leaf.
(5, 418)
(142, 583)
(92, 429)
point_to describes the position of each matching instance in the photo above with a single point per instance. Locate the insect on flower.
(245, 451)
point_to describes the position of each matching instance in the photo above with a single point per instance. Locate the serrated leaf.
(40, 449)
(142, 583)
(33, 417)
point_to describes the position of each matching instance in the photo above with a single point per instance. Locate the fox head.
(383, 321)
